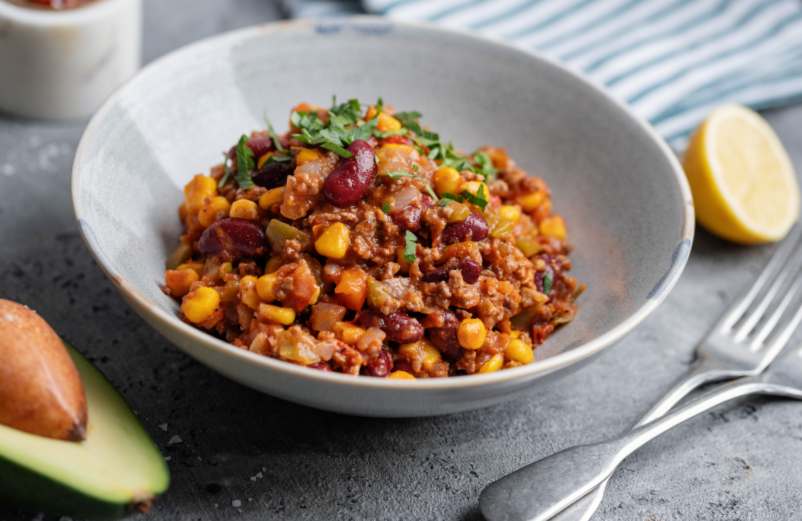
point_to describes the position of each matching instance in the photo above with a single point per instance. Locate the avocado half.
(116, 469)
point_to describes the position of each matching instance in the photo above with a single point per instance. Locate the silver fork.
(743, 342)
(566, 476)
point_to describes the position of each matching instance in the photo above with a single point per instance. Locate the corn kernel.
(226, 267)
(271, 197)
(528, 244)
(459, 212)
(266, 286)
(333, 243)
(279, 315)
(179, 280)
(197, 190)
(305, 155)
(531, 201)
(273, 264)
(473, 188)
(400, 375)
(197, 267)
(347, 332)
(519, 351)
(200, 304)
(430, 355)
(471, 333)
(399, 148)
(493, 364)
(315, 295)
(553, 227)
(509, 212)
(213, 209)
(387, 123)
(247, 291)
(446, 180)
(244, 209)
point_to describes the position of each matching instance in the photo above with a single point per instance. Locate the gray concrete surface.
(237, 454)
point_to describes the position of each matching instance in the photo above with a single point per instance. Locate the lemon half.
(743, 183)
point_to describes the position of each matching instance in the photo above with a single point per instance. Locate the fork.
(739, 344)
(587, 466)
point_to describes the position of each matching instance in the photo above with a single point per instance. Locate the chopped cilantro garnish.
(273, 136)
(395, 174)
(344, 126)
(226, 171)
(477, 199)
(386, 207)
(410, 243)
(548, 281)
(484, 165)
(245, 163)
(431, 192)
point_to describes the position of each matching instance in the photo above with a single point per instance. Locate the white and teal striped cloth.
(670, 60)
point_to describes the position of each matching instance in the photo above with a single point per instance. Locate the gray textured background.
(237, 454)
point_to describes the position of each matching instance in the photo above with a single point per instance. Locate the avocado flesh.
(116, 468)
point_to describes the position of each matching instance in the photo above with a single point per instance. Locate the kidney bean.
(274, 173)
(260, 145)
(470, 270)
(438, 275)
(402, 328)
(233, 237)
(409, 217)
(445, 338)
(380, 365)
(352, 177)
(367, 319)
(473, 228)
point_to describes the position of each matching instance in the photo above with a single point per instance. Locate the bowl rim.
(157, 316)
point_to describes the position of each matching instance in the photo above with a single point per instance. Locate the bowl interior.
(617, 188)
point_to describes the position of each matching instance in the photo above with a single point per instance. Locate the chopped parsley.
(386, 207)
(484, 165)
(273, 136)
(226, 171)
(477, 199)
(395, 174)
(410, 243)
(548, 281)
(245, 163)
(480, 163)
(344, 126)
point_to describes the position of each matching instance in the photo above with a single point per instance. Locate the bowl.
(618, 185)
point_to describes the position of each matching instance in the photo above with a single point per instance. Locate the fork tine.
(782, 336)
(757, 311)
(765, 329)
(777, 267)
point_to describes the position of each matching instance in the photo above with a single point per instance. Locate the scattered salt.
(236, 503)
(163, 426)
(175, 440)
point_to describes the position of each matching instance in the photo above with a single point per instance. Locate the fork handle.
(700, 373)
(544, 488)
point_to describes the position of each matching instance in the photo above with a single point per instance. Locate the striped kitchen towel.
(672, 61)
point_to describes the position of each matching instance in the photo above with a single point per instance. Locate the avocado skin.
(19, 486)
(23, 487)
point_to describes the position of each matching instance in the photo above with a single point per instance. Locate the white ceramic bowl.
(620, 188)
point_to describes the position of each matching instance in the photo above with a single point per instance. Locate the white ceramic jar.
(62, 64)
